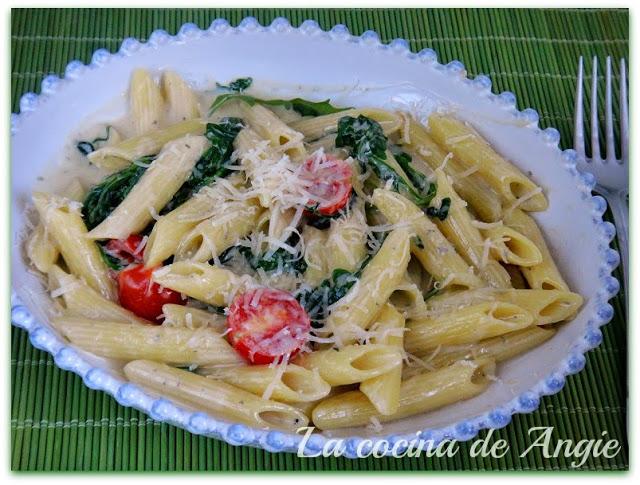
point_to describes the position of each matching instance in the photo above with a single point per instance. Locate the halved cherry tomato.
(142, 296)
(127, 250)
(330, 181)
(265, 324)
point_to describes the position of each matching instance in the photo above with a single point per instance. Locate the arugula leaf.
(270, 261)
(212, 163)
(107, 195)
(442, 212)
(315, 301)
(238, 85)
(302, 106)
(418, 179)
(87, 147)
(368, 145)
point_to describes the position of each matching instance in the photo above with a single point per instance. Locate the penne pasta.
(466, 238)
(270, 127)
(380, 278)
(293, 384)
(466, 325)
(425, 392)
(384, 391)
(512, 247)
(146, 106)
(172, 227)
(172, 345)
(500, 348)
(545, 275)
(119, 156)
(155, 188)
(63, 222)
(209, 284)
(436, 254)
(212, 236)
(317, 127)
(81, 300)
(353, 363)
(466, 144)
(546, 306)
(218, 397)
(192, 318)
(468, 182)
(181, 102)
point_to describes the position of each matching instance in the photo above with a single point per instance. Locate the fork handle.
(620, 211)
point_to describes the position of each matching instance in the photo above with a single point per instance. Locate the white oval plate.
(356, 71)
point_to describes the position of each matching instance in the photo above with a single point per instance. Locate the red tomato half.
(127, 250)
(329, 181)
(142, 296)
(265, 324)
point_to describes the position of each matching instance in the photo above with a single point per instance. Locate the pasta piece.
(212, 285)
(379, 279)
(545, 275)
(296, 384)
(353, 363)
(319, 126)
(466, 144)
(512, 247)
(146, 106)
(172, 345)
(171, 228)
(270, 127)
(408, 299)
(190, 317)
(546, 306)
(155, 188)
(219, 398)
(419, 394)
(181, 101)
(432, 249)
(465, 237)
(346, 244)
(384, 391)
(212, 236)
(81, 300)
(42, 251)
(471, 186)
(500, 348)
(315, 253)
(466, 325)
(119, 156)
(63, 221)
(41, 248)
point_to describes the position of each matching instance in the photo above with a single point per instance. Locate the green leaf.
(442, 212)
(238, 85)
(87, 147)
(212, 163)
(302, 106)
(103, 198)
(270, 261)
(111, 261)
(368, 144)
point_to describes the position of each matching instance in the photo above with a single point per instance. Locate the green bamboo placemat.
(59, 424)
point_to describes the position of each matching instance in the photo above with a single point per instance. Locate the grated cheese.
(277, 378)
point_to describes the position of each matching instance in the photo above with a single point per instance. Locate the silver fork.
(612, 174)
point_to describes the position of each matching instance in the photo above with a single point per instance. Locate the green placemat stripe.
(59, 424)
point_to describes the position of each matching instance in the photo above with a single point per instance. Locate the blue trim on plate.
(128, 394)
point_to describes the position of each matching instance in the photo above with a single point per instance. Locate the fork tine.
(624, 113)
(595, 138)
(611, 149)
(578, 120)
